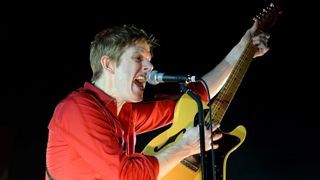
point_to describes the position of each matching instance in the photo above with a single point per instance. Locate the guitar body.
(190, 168)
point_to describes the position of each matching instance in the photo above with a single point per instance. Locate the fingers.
(212, 136)
(215, 127)
(192, 138)
(217, 136)
(215, 146)
(261, 42)
(261, 38)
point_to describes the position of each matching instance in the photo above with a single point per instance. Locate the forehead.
(141, 48)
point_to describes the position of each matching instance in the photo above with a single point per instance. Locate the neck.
(104, 86)
(119, 106)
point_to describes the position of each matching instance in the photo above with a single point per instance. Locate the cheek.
(126, 73)
(124, 77)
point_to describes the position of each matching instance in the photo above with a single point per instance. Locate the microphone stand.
(201, 128)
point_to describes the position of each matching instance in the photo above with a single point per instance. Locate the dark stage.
(46, 56)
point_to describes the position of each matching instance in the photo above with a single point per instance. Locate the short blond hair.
(112, 42)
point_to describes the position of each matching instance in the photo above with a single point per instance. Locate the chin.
(137, 99)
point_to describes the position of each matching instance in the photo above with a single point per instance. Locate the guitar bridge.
(191, 163)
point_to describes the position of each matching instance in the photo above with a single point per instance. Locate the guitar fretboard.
(221, 103)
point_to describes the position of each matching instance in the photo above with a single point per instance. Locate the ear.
(107, 64)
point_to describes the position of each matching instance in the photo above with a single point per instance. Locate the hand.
(259, 39)
(191, 139)
(187, 146)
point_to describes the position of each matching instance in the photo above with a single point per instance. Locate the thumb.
(254, 27)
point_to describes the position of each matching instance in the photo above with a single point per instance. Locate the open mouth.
(140, 81)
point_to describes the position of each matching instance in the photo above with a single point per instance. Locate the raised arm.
(217, 77)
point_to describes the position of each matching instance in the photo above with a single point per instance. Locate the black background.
(46, 55)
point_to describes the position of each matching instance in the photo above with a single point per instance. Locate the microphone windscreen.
(152, 77)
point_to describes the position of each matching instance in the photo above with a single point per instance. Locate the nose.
(147, 66)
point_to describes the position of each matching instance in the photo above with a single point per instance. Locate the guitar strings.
(231, 82)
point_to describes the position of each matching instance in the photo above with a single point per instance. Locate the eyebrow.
(143, 50)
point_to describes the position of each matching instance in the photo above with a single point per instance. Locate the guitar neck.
(266, 19)
(221, 103)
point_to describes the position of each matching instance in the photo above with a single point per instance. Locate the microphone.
(154, 77)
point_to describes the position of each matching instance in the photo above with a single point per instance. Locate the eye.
(138, 58)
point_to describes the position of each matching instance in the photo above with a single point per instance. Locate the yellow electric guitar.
(186, 114)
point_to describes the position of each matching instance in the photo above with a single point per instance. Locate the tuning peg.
(271, 5)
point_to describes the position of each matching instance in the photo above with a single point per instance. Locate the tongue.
(139, 85)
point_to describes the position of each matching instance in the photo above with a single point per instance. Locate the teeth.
(141, 79)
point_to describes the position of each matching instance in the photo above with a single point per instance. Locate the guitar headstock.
(268, 16)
